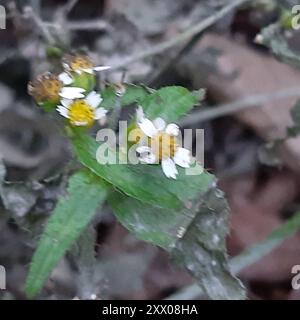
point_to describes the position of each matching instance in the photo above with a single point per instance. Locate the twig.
(182, 37)
(254, 101)
(172, 60)
(249, 256)
(175, 55)
(29, 13)
(88, 25)
(67, 8)
(36, 6)
(80, 25)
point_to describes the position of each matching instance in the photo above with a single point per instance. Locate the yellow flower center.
(81, 113)
(81, 63)
(163, 145)
(46, 88)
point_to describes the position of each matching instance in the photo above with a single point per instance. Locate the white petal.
(148, 158)
(172, 129)
(139, 114)
(88, 70)
(65, 78)
(102, 121)
(169, 168)
(66, 102)
(80, 123)
(143, 149)
(147, 127)
(72, 93)
(66, 66)
(101, 68)
(160, 124)
(182, 157)
(93, 99)
(100, 113)
(63, 111)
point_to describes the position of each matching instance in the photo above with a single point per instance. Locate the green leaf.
(144, 201)
(143, 182)
(54, 52)
(195, 237)
(151, 223)
(273, 37)
(202, 249)
(171, 103)
(86, 193)
(48, 106)
(85, 80)
(133, 94)
(286, 19)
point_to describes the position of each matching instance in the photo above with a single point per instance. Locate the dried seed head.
(45, 88)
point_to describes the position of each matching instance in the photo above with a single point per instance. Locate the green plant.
(184, 214)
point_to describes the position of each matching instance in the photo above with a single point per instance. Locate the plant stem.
(99, 25)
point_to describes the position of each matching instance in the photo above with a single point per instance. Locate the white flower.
(98, 69)
(82, 112)
(81, 64)
(160, 145)
(90, 70)
(69, 92)
(65, 78)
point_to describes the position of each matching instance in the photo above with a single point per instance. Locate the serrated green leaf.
(86, 193)
(195, 236)
(145, 201)
(151, 223)
(133, 94)
(143, 182)
(202, 249)
(171, 103)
